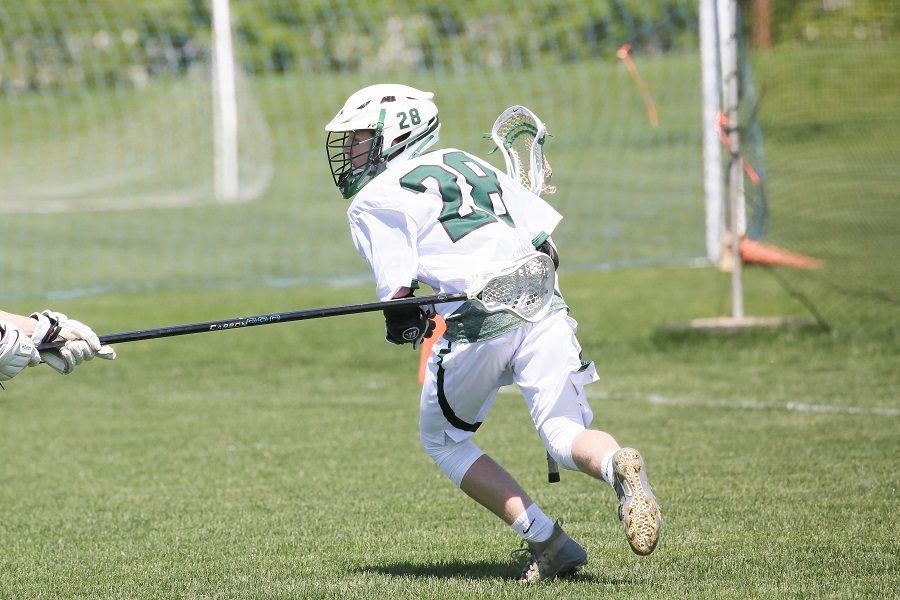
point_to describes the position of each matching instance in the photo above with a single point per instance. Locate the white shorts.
(543, 359)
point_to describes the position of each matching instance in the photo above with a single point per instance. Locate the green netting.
(108, 160)
(108, 145)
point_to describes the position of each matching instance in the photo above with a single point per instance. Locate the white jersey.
(445, 218)
(442, 219)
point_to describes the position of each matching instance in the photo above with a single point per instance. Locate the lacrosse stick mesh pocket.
(526, 291)
(518, 134)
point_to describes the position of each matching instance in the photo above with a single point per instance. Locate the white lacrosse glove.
(17, 351)
(81, 343)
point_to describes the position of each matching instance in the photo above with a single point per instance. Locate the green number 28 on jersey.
(463, 211)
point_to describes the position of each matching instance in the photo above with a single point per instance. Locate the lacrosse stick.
(520, 135)
(524, 289)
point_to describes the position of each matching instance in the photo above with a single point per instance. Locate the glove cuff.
(47, 328)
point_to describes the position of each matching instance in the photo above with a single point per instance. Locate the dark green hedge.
(111, 42)
(45, 44)
(810, 21)
(442, 34)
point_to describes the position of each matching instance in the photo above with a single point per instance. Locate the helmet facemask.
(355, 158)
(402, 122)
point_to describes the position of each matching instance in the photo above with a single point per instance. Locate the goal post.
(714, 193)
(726, 212)
(225, 108)
(727, 12)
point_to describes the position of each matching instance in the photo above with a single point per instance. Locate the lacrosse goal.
(129, 126)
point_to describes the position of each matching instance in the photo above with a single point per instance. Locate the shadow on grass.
(475, 570)
(717, 335)
(445, 570)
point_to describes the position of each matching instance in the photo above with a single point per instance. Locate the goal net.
(108, 105)
(828, 100)
(109, 109)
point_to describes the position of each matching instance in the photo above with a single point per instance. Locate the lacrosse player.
(19, 336)
(445, 218)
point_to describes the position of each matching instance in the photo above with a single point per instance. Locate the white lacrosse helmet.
(403, 121)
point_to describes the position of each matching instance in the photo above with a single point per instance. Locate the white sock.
(533, 525)
(606, 467)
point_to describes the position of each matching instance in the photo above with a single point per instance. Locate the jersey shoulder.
(391, 189)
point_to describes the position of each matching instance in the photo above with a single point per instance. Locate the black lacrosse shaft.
(552, 469)
(266, 319)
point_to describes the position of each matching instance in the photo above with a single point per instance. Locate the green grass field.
(283, 461)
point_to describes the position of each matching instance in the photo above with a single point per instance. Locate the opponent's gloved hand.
(81, 343)
(409, 324)
(17, 351)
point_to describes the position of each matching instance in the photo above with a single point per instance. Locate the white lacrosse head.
(404, 122)
(520, 136)
(524, 289)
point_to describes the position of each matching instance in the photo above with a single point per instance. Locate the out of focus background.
(163, 162)
(144, 148)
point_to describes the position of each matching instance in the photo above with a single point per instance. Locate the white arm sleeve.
(17, 351)
(386, 239)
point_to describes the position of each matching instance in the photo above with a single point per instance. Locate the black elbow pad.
(550, 250)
